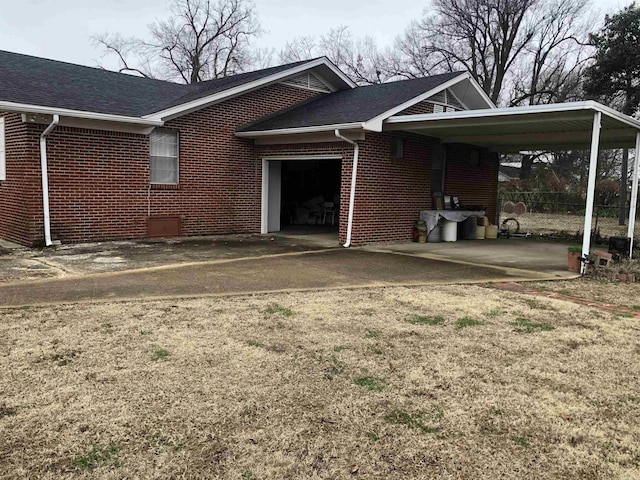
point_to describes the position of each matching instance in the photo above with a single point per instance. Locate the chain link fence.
(560, 215)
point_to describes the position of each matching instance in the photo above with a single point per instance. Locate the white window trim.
(3, 151)
(177, 132)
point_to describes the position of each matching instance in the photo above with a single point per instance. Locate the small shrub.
(425, 320)
(492, 313)
(339, 348)
(253, 343)
(467, 322)
(524, 325)
(98, 456)
(372, 384)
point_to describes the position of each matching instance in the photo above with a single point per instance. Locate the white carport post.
(591, 189)
(634, 195)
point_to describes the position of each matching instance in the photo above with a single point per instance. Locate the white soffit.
(546, 127)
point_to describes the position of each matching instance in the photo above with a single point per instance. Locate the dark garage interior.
(311, 195)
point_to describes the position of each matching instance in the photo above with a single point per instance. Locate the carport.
(556, 127)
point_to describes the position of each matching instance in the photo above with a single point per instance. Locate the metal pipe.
(634, 195)
(45, 179)
(591, 189)
(354, 176)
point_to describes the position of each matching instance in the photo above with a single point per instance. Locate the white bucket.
(491, 231)
(480, 232)
(449, 231)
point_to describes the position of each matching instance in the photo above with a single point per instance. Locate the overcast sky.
(61, 29)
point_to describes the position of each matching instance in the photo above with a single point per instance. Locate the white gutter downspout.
(354, 175)
(45, 180)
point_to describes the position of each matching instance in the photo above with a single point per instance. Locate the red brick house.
(90, 155)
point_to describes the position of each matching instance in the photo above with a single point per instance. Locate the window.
(3, 154)
(164, 156)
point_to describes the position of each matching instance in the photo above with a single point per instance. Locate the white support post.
(591, 188)
(634, 194)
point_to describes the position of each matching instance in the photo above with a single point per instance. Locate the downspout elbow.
(354, 176)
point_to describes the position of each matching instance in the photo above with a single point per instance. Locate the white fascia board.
(525, 110)
(293, 131)
(481, 91)
(375, 124)
(105, 117)
(240, 89)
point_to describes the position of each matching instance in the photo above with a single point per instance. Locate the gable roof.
(41, 82)
(359, 105)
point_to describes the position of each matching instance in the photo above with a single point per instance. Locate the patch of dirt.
(321, 385)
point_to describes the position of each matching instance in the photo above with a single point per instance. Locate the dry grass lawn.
(620, 294)
(394, 383)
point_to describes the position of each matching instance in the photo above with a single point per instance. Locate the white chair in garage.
(329, 209)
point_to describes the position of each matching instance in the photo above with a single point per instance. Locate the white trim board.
(203, 102)
(588, 106)
(105, 117)
(375, 124)
(289, 131)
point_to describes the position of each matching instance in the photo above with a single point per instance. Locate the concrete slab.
(76, 260)
(339, 268)
(531, 254)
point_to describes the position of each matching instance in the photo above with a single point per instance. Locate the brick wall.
(474, 185)
(418, 109)
(20, 198)
(220, 175)
(99, 181)
(391, 192)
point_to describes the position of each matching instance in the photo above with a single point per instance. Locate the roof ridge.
(446, 74)
(249, 72)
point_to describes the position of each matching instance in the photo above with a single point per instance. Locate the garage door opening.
(301, 196)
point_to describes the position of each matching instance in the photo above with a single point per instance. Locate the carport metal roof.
(563, 126)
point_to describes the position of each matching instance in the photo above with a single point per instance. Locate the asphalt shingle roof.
(350, 106)
(50, 83)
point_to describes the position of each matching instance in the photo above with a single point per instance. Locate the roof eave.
(203, 102)
(376, 123)
(524, 110)
(301, 130)
(105, 117)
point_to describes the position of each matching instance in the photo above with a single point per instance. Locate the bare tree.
(528, 46)
(360, 59)
(553, 62)
(202, 39)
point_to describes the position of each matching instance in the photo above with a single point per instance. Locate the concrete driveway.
(293, 267)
